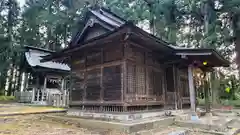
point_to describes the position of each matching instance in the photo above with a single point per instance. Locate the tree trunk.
(10, 38)
(10, 78)
(14, 79)
(3, 82)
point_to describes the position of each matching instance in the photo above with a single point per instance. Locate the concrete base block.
(115, 116)
(132, 128)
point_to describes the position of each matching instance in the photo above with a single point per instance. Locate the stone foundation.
(130, 127)
(120, 116)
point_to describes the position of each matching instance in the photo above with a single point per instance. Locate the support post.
(124, 77)
(71, 86)
(33, 95)
(62, 96)
(146, 76)
(44, 87)
(101, 80)
(62, 84)
(63, 91)
(23, 78)
(38, 94)
(38, 89)
(206, 92)
(191, 88)
(175, 86)
(28, 76)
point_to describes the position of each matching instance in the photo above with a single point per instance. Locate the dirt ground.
(6, 109)
(34, 125)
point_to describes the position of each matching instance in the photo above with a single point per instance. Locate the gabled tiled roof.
(107, 17)
(116, 24)
(104, 16)
(34, 56)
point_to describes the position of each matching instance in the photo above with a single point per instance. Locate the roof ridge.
(115, 15)
(111, 18)
(38, 48)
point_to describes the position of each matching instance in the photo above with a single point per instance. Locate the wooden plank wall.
(144, 77)
(184, 87)
(97, 75)
(183, 79)
(124, 73)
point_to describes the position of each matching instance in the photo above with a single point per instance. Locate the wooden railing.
(59, 100)
(38, 95)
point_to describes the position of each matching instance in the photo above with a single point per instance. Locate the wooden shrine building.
(44, 81)
(116, 66)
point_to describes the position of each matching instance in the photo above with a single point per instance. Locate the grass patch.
(234, 103)
(7, 98)
(201, 102)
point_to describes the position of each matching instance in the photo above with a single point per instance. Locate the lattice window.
(140, 80)
(131, 79)
(112, 83)
(150, 81)
(93, 85)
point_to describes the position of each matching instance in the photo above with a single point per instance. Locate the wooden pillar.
(70, 87)
(70, 83)
(101, 85)
(28, 76)
(44, 88)
(38, 89)
(62, 84)
(23, 81)
(175, 86)
(125, 76)
(124, 89)
(191, 88)
(63, 91)
(33, 94)
(101, 79)
(146, 76)
(45, 83)
(206, 93)
(85, 78)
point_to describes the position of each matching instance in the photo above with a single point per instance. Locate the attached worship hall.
(118, 67)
